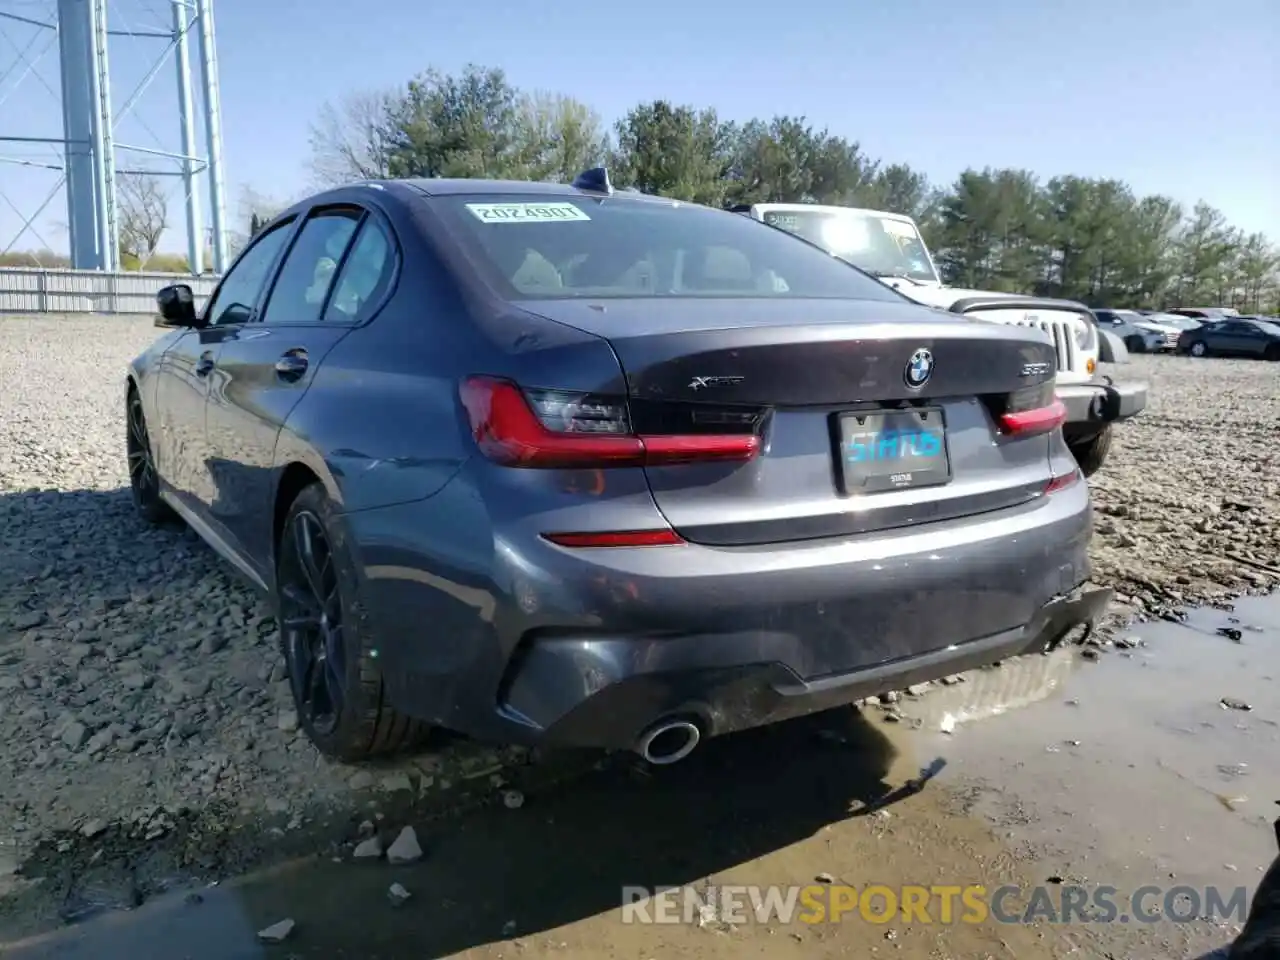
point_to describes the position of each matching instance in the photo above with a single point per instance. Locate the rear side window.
(303, 285)
(365, 276)
(532, 247)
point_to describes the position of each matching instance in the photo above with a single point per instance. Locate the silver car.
(569, 465)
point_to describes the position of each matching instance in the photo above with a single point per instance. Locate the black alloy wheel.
(144, 481)
(312, 624)
(332, 660)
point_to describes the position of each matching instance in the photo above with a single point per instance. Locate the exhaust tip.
(669, 742)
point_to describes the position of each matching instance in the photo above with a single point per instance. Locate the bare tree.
(142, 213)
(256, 210)
(350, 141)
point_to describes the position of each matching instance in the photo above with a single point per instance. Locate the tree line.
(1083, 238)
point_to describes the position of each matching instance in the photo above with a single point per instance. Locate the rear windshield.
(552, 248)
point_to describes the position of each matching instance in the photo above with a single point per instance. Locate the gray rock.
(397, 783)
(27, 621)
(101, 740)
(287, 720)
(277, 932)
(76, 654)
(405, 848)
(212, 643)
(369, 849)
(74, 735)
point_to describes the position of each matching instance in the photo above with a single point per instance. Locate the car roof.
(456, 186)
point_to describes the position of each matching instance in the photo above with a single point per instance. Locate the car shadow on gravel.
(492, 873)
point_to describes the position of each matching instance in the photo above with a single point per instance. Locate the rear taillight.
(1039, 420)
(617, 538)
(1062, 482)
(533, 427)
(1030, 411)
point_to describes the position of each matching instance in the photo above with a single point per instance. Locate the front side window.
(539, 247)
(882, 246)
(308, 272)
(240, 289)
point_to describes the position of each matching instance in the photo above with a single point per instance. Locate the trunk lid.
(849, 444)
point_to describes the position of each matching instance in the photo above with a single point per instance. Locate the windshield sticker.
(785, 221)
(525, 212)
(896, 228)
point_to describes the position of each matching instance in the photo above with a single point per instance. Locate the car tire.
(334, 674)
(1272, 353)
(1198, 349)
(1135, 345)
(144, 481)
(1091, 454)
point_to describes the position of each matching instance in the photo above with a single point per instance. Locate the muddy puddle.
(1119, 766)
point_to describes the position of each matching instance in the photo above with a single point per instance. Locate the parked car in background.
(1137, 337)
(1204, 313)
(561, 464)
(889, 246)
(1140, 333)
(1175, 320)
(1233, 337)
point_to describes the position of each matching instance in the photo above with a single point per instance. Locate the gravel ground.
(141, 681)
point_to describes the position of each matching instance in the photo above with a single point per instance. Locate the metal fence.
(32, 290)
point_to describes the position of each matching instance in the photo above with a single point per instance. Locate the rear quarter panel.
(378, 423)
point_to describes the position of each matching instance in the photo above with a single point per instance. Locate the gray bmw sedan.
(565, 464)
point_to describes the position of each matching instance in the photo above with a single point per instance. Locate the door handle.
(204, 366)
(292, 365)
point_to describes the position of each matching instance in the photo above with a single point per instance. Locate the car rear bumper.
(1101, 401)
(532, 643)
(638, 683)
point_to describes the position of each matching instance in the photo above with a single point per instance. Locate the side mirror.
(177, 306)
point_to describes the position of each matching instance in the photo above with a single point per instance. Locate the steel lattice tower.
(89, 148)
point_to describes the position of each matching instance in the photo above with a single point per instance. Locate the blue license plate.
(893, 450)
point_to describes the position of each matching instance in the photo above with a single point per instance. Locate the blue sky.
(1181, 98)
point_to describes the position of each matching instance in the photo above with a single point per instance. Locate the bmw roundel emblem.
(919, 368)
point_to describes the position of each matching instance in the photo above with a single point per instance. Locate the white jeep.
(889, 247)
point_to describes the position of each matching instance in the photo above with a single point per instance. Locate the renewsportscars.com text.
(931, 904)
